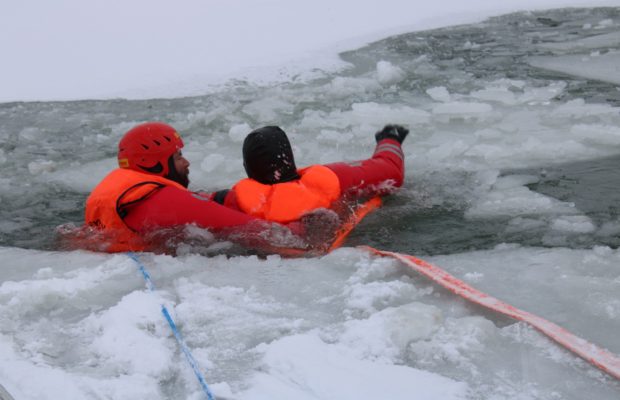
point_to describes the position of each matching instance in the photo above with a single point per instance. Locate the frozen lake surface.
(511, 186)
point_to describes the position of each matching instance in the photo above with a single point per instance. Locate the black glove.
(396, 132)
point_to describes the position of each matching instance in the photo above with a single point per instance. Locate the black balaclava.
(268, 156)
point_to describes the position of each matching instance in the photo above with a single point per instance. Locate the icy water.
(511, 186)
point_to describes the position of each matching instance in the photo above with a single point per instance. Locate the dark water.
(502, 45)
(86, 131)
(591, 185)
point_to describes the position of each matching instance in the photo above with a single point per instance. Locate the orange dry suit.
(109, 202)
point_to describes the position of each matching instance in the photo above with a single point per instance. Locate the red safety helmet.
(147, 148)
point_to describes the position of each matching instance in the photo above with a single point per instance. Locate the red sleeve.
(169, 207)
(380, 174)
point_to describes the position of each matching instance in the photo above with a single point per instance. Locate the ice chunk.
(605, 67)
(610, 228)
(523, 224)
(500, 95)
(388, 73)
(238, 132)
(605, 23)
(574, 224)
(40, 166)
(294, 364)
(368, 297)
(269, 108)
(456, 341)
(211, 162)
(542, 94)
(342, 87)
(603, 135)
(579, 108)
(470, 46)
(31, 134)
(84, 177)
(509, 197)
(607, 40)
(386, 334)
(439, 93)
(329, 135)
(461, 108)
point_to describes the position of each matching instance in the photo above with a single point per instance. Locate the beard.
(182, 177)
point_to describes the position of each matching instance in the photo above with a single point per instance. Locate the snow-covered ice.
(510, 187)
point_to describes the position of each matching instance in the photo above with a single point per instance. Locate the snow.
(335, 372)
(344, 326)
(125, 349)
(69, 49)
(598, 58)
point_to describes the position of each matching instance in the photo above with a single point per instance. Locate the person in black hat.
(268, 156)
(276, 190)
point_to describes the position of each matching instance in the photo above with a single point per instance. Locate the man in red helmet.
(149, 192)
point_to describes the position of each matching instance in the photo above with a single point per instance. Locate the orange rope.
(601, 358)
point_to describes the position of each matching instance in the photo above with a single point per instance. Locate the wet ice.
(497, 154)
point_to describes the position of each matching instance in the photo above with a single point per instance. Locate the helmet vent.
(145, 147)
(157, 142)
(167, 138)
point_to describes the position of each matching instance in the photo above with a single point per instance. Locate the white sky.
(76, 49)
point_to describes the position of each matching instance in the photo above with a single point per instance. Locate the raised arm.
(381, 173)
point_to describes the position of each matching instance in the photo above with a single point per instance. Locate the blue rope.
(175, 330)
